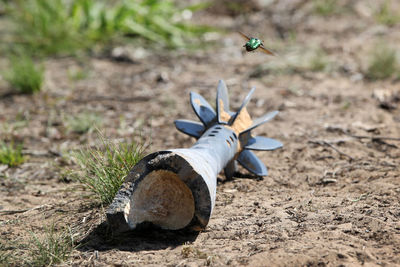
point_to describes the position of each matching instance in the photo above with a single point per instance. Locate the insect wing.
(266, 51)
(244, 36)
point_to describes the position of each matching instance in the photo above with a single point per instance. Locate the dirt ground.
(332, 196)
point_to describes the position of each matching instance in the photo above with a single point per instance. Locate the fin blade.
(202, 108)
(222, 100)
(263, 143)
(244, 104)
(247, 99)
(252, 163)
(261, 120)
(191, 128)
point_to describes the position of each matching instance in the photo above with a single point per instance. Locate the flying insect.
(254, 44)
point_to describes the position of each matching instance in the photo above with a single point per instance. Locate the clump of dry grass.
(52, 248)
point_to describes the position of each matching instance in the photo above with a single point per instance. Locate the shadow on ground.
(142, 239)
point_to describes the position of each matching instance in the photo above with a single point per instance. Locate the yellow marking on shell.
(197, 101)
(241, 123)
(223, 115)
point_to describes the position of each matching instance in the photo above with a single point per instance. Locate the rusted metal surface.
(176, 188)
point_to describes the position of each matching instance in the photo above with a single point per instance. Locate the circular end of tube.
(163, 199)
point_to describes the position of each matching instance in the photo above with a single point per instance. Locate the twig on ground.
(373, 138)
(11, 212)
(112, 98)
(325, 143)
(361, 197)
(328, 180)
(347, 132)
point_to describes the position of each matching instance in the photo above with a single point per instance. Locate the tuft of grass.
(382, 63)
(53, 248)
(318, 61)
(11, 154)
(65, 26)
(5, 256)
(103, 169)
(325, 7)
(83, 122)
(24, 75)
(78, 74)
(345, 105)
(387, 15)
(11, 127)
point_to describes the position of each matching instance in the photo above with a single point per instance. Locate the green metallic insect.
(254, 44)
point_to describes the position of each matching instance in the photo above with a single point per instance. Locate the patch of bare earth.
(332, 196)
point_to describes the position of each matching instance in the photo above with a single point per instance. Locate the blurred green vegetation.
(11, 154)
(387, 15)
(318, 61)
(23, 75)
(12, 126)
(31, 30)
(382, 63)
(59, 27)
(325, 7)
(82, 122)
